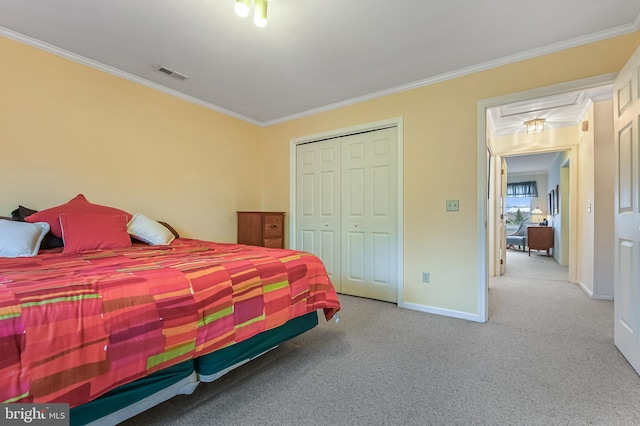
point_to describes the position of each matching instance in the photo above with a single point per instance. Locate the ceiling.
(560, 110)
(531, 164)
(312, 55)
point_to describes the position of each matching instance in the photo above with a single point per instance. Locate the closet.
(346, 210)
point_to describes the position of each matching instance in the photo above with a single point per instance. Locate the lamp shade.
(536, 215)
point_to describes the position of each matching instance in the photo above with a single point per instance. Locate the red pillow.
(79, 205)
(82, 232)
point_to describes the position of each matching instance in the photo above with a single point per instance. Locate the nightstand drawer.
(273, 242)
(272, 226)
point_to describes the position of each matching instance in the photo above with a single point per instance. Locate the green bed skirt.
(125, 395)
(222, 359)
(207, 365)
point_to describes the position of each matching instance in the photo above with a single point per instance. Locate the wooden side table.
(264, 229)
(540, 238)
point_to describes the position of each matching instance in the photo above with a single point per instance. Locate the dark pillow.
(21, 212)
(49, 240)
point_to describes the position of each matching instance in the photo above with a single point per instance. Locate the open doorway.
(562, 137)
(537, 231)
(533, 198)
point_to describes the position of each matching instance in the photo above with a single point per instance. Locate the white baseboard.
(592, 295)
(444, 312)
(602, 297)
(585, 289)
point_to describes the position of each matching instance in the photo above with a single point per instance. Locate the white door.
(346, 210)
(627, 217)
(318, 203)
(369, 215)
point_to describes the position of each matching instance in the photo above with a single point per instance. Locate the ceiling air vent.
(172, 73)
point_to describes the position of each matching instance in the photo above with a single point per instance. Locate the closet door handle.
(355, 224)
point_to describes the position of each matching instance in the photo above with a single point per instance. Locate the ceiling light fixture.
(535, 126)
(243, 7)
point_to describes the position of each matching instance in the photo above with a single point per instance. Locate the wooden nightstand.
(540, 238)
(264, 229)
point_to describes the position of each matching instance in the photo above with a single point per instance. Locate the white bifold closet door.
(318, 203)
(346, 208)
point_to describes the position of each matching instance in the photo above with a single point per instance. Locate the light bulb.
(260, 13)
(242, 7)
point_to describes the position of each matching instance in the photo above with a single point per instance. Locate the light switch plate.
(453, 205)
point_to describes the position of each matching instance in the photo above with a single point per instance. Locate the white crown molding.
(582, 115)
(603, 97)
(5, 32)
(529, 54)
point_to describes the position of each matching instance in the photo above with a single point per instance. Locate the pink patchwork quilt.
(74, 326)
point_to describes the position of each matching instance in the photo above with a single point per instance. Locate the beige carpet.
(546, 357)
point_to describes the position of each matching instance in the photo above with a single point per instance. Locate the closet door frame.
(396, 123)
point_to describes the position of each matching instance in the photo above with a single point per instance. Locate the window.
(518, 202)
(522, 189)
(517, 210)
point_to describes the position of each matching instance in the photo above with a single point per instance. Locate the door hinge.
(501, 262)
(501, 171)
(501, 216)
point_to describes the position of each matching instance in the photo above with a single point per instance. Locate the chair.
(519, 237)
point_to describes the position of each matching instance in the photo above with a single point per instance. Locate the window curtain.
(522, 189)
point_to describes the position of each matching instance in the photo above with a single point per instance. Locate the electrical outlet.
(453, 205)
(426, 276)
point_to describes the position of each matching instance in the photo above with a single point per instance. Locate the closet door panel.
(381, 255)
(308, 241)
(356, 265)
(369, 169)
(381, 188)
(318, 203)
(328, 254)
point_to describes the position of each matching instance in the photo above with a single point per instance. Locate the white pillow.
(148, 230)
(21, 239)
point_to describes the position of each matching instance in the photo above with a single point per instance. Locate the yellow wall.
(603, 213)
(586, 197)
(66, 129)
(440, 160)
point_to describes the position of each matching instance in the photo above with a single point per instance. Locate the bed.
(113, 332)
